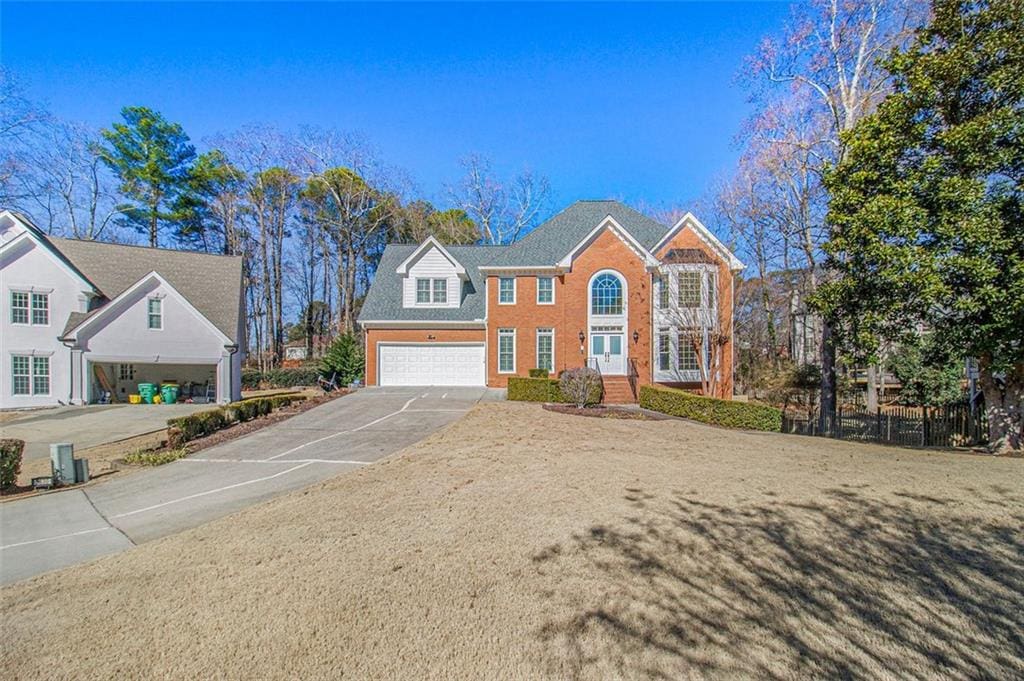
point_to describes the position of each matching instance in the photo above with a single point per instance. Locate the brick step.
(617, 391)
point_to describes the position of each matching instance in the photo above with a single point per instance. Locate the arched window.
(606, 295)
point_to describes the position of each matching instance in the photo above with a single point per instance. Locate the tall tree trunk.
(153, 227)
(268, 294)
(1004, 407)
(871, 390)
(827, 411)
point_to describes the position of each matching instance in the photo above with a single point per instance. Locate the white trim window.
(545, 290)
(663, 292)
(688, 356)
(606, 295)
(19, 307)
(440, 291)
(506, 290)
(712, 282)
(422, 291)
(690, 289)
(155, 312)
(41, 310)
(30, 375)
(506, 351)
(546, 349)
(664, 350)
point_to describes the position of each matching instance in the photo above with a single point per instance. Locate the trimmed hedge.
(539, 373)
(534, 390)
(522, 389)
(188, 428)
(10, 461)
(279, 378)
(745, 415)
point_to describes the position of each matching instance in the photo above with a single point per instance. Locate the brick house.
(597, 285)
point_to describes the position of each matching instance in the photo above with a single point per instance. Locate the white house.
(83, 318)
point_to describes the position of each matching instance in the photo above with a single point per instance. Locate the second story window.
(689, 289)
(156, 313)
(662, 292)
(545, 290)
(41, 309)
(19, 307)
(507, 290)
(30, 308)
(430, 291)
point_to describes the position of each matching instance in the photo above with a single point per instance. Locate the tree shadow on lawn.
(851, 587)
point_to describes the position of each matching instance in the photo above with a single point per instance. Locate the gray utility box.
(62, 460)
(81, 470)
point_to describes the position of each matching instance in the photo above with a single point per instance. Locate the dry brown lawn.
(521, 544)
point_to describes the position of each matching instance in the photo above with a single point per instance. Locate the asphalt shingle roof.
(544, 246)
(212, 283)
(384, 300)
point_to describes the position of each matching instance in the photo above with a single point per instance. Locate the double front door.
(606, 350)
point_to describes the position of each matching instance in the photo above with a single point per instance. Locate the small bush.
(534, 390)
(344, 357)
(581, 386)
(745, 415)
(144, 457)
(251, 379)
(188, 428)
(10, 461)
(539, 373)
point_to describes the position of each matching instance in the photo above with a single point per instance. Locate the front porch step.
(617, 390)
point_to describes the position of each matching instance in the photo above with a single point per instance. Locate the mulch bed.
(603, 412)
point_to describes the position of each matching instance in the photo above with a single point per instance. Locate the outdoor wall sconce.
(582, 337)
(431, 336)
(636, 336)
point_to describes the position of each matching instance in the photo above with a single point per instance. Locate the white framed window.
(440, 288)
(662, 282)
(546, 349)
(40, 375)
(30, 375)
(40, 309)
(712, 289)
(664, 350)
(606, 295)
(155, 308)
(19, 308)
(422, 291)
(21, 375)
(690, 289)
(688, 356)
(506, 351)
(545, 291)
(506, 290)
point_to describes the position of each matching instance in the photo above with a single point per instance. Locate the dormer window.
(431, 291)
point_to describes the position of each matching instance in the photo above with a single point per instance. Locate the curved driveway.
(62, 528)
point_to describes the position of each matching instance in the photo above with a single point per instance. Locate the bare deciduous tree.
(503, 211)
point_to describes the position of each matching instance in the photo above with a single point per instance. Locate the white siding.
(27, 265)
(432, 265)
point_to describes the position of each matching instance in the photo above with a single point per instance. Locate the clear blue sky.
(626, 101)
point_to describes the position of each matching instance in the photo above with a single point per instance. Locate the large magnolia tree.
(927, 209)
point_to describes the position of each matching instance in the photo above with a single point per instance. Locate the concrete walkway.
(90, 426)
(63, 528)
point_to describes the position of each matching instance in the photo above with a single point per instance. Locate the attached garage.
(431, 364)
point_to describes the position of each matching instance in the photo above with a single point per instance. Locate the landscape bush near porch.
(188, 428)
(10, 461)
(522, 389)
(711, 410)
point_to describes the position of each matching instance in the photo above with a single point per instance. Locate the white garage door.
(433, 364)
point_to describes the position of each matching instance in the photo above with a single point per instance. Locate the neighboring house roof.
(551, 241)
(211, 283)
(384, 300)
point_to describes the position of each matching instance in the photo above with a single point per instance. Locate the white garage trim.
(455, 363)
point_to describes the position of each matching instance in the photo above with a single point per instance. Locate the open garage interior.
(431, 364)
(196, 382)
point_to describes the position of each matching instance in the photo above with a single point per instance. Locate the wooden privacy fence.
(953, 425)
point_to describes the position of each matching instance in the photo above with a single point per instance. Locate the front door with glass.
(606, 351)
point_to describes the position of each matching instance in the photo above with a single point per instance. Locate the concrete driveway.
(62, 528)
(90, 426)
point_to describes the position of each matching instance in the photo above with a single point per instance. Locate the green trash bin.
(147, 391)
(169, 393)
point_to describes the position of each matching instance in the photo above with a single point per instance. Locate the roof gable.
(610, 224)
(23, 231)
(428, 244)
(690, 221)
